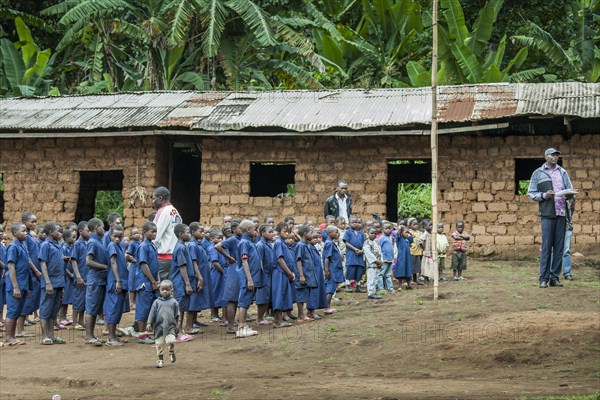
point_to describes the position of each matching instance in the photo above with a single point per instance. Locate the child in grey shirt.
(163, 319)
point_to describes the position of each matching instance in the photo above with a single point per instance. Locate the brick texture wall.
(42, 175)
(476, 180)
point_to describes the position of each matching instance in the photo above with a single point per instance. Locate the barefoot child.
(283, 277)
(459, 251)
(53, 282)
(163, 320)
(117, 286)
(17, 282)
(146, 281)
(332, 265)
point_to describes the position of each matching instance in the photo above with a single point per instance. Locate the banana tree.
(467, 56)
(25, 68)
(581, 59)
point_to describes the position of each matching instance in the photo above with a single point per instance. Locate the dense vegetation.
(90, 46)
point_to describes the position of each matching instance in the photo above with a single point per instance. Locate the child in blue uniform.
(354, 239)
(18, 282)
(146, 280)
(53, 282)
(307, 279)
(117, 285)
(229, 249)
(218, 271)
(183, 277)
(80, 270)
(135, 239)
(250, 275)
(283, 277)
(403, 271)
(332, 265)
(265, 252)
(318, 295)
(202, 297)
(32, 303)
(386, 243)
(2, 271)
(97, 261)
(69, 237)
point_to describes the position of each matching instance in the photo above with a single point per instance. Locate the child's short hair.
(151, 216)
(82, 225)
(14, 228)
(214, 232)
(148, 225)
(340, 219)
(68, 233)
(26, 216)
(288, 219)
(118, 228)
(94, 223)
(460, 223)
(166, 282)
(268, 217)
(194, 226)
(263, 228)
(245, 225)
(303, 230)
(70, 225)
(49, 227)
(331, 228)
(226, 229)
(235, 223)
(282, 226)
(112, 217)
(133, 229)
(425, 222)
(179, 229)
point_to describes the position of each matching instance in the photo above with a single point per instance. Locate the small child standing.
(146, 281)
(427, 265)
(459, 251)
(374, 263)
(164, 320)
(403, 270)
(332, 265)
(250, 275)
(386, 242)
(131, 254)
(354, 240)
(416, 251)
(116, 301)
(69, 237)
(442, 248)
(183, 278)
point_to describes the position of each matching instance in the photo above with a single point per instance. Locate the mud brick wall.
(476, 181)
(42, 175)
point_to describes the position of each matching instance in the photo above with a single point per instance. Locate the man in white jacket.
(166, 218)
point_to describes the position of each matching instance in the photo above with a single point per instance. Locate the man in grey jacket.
(339, 204)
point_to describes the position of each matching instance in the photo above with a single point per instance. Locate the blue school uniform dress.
(355, 264)
(336, 269)
(303, 254)
(115, 304)
(403, 260)
(3, 261)
(217, 279)
(79, 254)
(16, 253)
(206, 244)
(132, 250)
(95, 291)
(51, 253)
(231, 292)
(181, 257)
(67, 251)
(32, 303)
(318, 296)
(145, 296)
(265, 252)
(202, 299)
(281, 287)
(247, 251)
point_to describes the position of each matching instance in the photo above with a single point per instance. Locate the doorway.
(417, 173)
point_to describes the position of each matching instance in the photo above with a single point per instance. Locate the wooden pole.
(434, 151)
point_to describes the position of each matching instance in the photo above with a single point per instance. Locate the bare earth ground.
(495, 335)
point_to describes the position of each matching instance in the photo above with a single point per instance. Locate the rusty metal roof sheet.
(298, 111)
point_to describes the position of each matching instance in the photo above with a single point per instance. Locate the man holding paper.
(549, 186)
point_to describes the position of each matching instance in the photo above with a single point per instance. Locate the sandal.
(330, 311)
(24, 334)
(113, 343)
(59, 340)
(47, 341)
(195, 331)
(94, 341)
(265, 322)
(15, 342)
(283, 324)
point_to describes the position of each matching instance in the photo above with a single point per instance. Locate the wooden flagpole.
(434, 151)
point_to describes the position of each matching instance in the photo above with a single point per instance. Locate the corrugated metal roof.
(298, 111)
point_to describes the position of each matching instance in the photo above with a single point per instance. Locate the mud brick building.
(281, 153)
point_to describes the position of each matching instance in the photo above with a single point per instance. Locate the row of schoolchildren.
(295, 268)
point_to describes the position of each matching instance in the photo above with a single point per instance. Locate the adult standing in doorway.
(546, 181)
(166, 218)
(339, 204)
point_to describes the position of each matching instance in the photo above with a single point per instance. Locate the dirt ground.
(495, 335)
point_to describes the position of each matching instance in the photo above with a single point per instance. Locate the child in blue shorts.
(17, 282)
(183, 276)
(146, 281)
(97, 261)
(116, 301)
(202, 299)
(69, 237)
(307, 279)
(354, 239)
(250, 275)
(218, 274)
(228, 248)
(318, 295)
(332, 265)
(53, 282)
(80, 270)
(131, 256)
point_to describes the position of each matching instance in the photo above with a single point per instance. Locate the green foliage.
(108, 201)
(414, 200)
(523, 187)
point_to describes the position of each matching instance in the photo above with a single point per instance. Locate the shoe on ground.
(245, 331)
(145, 340)
(100, 321)
(569, 277)
(160, 364)
(543, 284)
(462, 278)
(348, 289)
(556, 282)
(443, 278)
(360, 290)
(456, 278)
(375, 297)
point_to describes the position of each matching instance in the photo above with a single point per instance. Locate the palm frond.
(484, 24)
(300, 75)
(182, 13)
(417, 74)
(213, 18)
(304, 47)
(257, 20)
(88, 10)
(527, 75)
